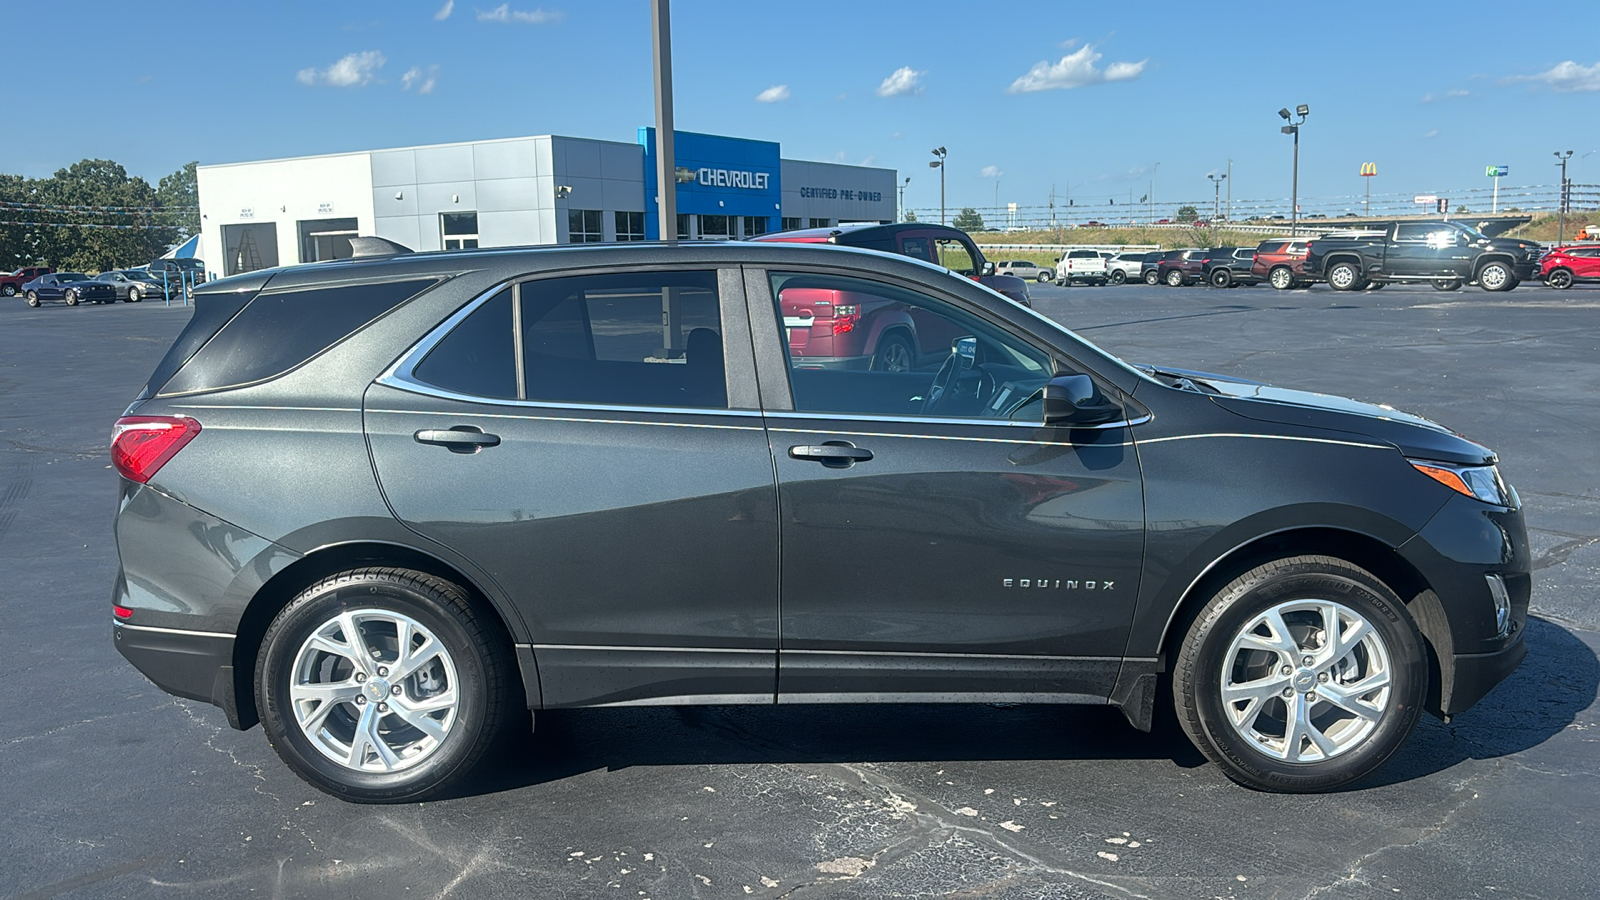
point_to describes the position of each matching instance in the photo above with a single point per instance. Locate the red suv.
(11, 284)
(1281, 262)
(1563, 267)
(1180, 267)
(938, 244)
(836, 329)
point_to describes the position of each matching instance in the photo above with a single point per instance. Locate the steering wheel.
(947, 390)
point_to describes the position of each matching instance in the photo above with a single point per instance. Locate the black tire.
(1560, 279)
(1375, 285)
(1345, 276)
(1118, 277)
(1208, 656)
(1221, 278)
(1175, 278)
(894, 354)
(1043, 277)
(477, 650)
(1446, 284)
(1496, 276)
(1152, 278)
(33, 298)
(9, 290)
(1281, 278)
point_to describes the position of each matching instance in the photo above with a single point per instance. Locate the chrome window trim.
(919, 420)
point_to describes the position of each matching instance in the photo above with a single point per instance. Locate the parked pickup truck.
(11, 284)
(1445, 254)
(1081, 266)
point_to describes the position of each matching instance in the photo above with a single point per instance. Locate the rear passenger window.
(638, 339)
(277, 332)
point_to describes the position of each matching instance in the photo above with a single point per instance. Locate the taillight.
(141, 445)
(844, 318)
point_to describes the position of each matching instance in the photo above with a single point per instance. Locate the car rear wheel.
(9, 290)
(383, 685)
(1118, 277)
(1281, 278)
(1301, 675)
(1446, 284)
(894, 355)
(1222, 278)
(1152, 278)
(33, 298)
(1344, 276)
(1043, 277)
(1560, 279)
(1496, 276)
(1174, 278)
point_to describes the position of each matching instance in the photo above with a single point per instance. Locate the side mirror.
(988, 268)
(1074, 400)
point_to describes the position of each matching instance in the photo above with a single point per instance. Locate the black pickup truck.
(1445, 254)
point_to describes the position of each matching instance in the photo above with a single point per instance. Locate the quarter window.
(458, 231)
(583, 226)
(859, 347)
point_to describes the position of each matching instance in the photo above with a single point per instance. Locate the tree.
(1462, 210)
(911, 215)
(968, 220)
(1187, 213)
(179, 196)
(93, 216)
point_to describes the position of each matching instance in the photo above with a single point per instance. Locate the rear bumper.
(197, 665)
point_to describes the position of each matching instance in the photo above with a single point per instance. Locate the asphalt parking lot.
(111, 788)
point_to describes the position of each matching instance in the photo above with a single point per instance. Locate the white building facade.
(545, 189)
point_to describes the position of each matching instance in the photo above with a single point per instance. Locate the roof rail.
(367, 245)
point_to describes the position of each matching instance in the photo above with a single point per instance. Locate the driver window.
(953, 255)
(859, 347)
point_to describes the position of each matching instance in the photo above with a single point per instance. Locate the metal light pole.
(1154, 170)
(1294, 191)
(666, 161)
(939, 164)
(903, 197)
(1561, 197)
(1216, 200)
(1230, 191)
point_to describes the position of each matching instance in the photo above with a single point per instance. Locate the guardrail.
(1062, 248)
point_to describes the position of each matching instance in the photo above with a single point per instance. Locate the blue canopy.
(185, 250)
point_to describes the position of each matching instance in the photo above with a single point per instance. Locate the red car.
(11, 284)
(1563, 267)
(1281, 262)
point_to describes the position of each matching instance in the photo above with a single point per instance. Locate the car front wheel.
(1301, 675)
(1496, 276)
(383, 685)
(1560, 279)
(1151, 278)
(1043, 277)
(71, 297)
(133, 295)
(894, 355)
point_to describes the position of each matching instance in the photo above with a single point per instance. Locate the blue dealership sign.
(716, 176)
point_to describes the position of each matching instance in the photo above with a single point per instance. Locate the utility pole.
(1561, 198)
(666, 161)
(1216, 201)
(1230, 191)
(1153, 171)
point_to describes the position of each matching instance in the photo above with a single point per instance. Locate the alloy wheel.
(374, 690)
(1306, 681)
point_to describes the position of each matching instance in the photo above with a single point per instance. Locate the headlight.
(1479, 482)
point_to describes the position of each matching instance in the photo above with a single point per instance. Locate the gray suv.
(387, 506)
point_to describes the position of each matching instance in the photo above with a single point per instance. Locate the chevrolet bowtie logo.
(683, 175)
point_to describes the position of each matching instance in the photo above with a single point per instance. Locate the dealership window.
(458, 231)
(821, 223)
(683, 226)
(322, 239)
(754, 225)
(583, 226)
(715, 228)
(790, 223)
(630, 226)
(246, 248)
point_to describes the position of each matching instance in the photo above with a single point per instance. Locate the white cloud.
(990, 172)
(1567, 77)
(504, 13)
(354, 70)
(1431, 134)
(903, 81)
(1076, 69)
(1447, 95)
(773, 94)
(445, 11)
(421, 79)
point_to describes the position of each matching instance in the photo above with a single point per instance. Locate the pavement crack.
(1558, 554)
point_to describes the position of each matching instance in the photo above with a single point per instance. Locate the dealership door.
(323, 239)
(937, 540)
(611, 477)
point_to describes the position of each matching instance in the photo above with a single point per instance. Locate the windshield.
(71, 276)
(1474, 233)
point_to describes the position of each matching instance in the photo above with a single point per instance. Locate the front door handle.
(458, 438)
(833, 454)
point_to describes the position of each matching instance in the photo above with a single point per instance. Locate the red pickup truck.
(11, 284)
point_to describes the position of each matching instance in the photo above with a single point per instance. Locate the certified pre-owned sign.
(734, 178)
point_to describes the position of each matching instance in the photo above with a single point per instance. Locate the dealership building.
(545, 189)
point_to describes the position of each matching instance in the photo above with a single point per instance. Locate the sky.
(1031, 99)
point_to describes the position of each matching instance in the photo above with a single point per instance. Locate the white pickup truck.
(1084, 266)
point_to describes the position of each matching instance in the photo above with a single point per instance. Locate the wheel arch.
(1356, 547)
(284, 585)
(1487, 258)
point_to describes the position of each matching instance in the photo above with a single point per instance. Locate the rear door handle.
(833, 454)
(458, 438)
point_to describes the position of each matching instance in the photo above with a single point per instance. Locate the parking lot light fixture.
(1294, 190)
(903, 197)
(939, 164)
(1216, 201)
(1561, 197)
